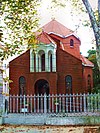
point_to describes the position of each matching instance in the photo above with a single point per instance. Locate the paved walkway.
(48, 129)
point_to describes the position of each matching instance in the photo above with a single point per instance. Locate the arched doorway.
(42, 102)
(41, 87)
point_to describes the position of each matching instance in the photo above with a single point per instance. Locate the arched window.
(51, 63)
(71, 42)
(68, 80)
(22, 85)
(43, 62)
(89, 83)
(50, 60)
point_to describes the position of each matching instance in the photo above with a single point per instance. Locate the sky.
(71, 21)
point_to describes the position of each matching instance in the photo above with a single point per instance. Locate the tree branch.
(99, 20)
(92, 20)
(99, 13)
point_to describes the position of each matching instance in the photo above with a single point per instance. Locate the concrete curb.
(49, 120)
(1, 120)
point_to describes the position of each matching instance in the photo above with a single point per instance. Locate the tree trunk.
(98, 50)
(98, 56)
(96, 27)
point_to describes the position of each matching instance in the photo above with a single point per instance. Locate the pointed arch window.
(71, 42)
(22, 85)
(68, 80)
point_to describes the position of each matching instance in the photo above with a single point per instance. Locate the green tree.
(20, 18)
(96, 73)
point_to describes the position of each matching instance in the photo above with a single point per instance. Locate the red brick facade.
(68, 63)
(87, 82)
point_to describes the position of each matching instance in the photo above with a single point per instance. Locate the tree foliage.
(20, 18)
(96, 74)
(95, 24)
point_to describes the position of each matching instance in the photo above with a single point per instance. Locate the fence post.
(77, 103)
(84, 100)
(35, 101)
(80, 105)
(70, 102)
(52, 103)
(45, 104)
(24, 105)
(95, 103)
(17, 103)
(73, 102)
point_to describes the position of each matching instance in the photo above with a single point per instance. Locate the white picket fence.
(54, 103)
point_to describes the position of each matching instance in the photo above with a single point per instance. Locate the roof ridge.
(47, 36)
(86, 62)
(55, 26)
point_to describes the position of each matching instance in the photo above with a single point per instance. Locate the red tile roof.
(45, 38)
(56, 28)
(73, 52)
(86, 62)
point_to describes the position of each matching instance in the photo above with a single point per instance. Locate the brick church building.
(54, 67)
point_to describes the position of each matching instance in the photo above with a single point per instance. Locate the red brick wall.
(75, 50)
(87, 71)
(20, 67)
(68, 65)
(51, 78)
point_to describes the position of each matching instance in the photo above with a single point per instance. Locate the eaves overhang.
(62, 36)
(87, 65)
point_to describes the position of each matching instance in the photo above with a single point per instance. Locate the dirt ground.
(49, 129)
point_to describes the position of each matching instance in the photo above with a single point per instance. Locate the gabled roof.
(45, 38)
(57, 28)
(86, 62)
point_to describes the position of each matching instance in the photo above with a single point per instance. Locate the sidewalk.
(48, 129)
